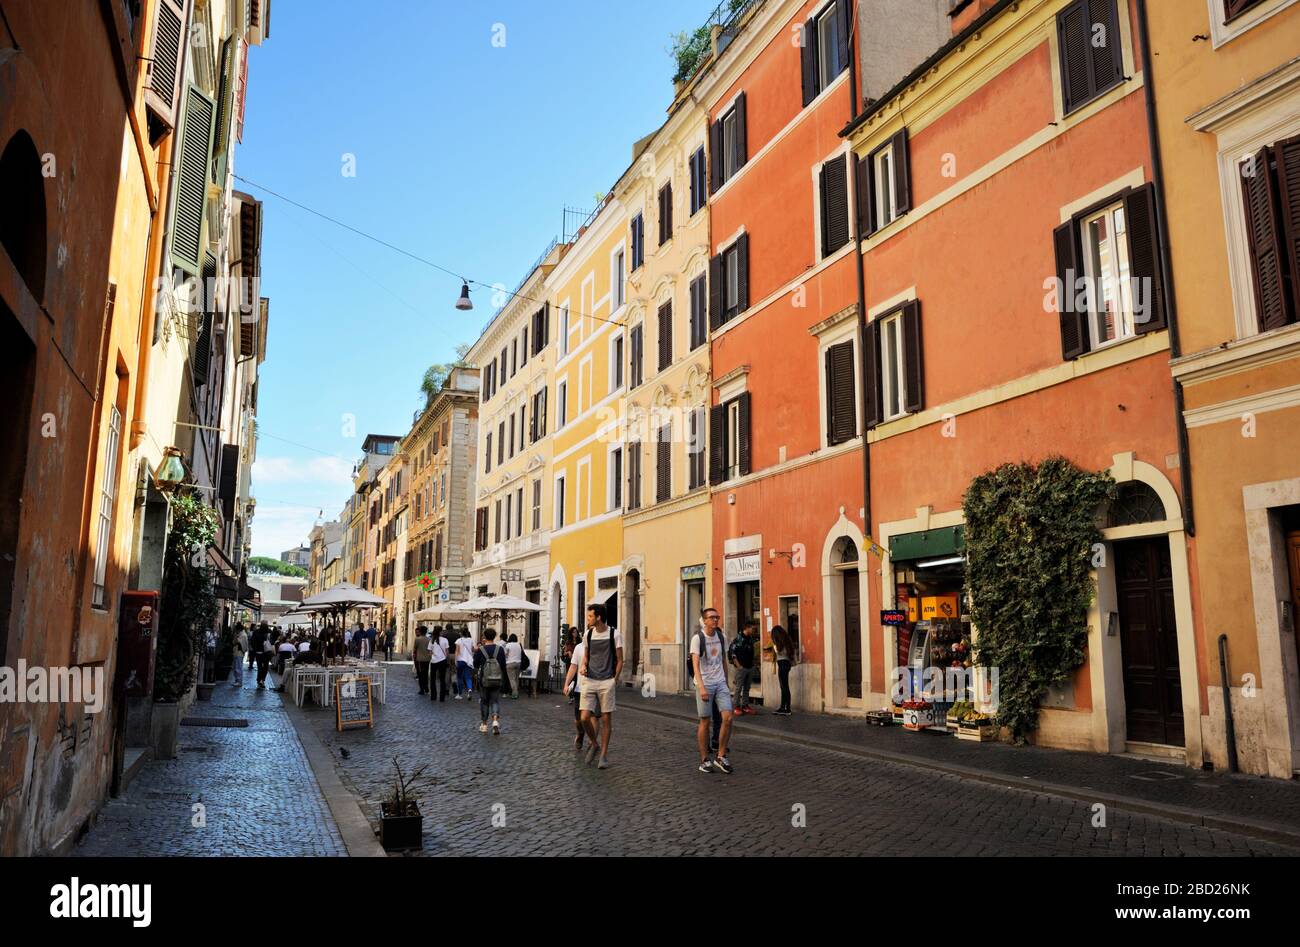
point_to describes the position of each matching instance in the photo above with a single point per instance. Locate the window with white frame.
(616, 362)
(537, 505)
(1106, 264)
(892, 382)
(733, 439)
(558, 519)
(561, 404)
(617, 280)
(730, 155)
(883, 178)
(829, 64)
(107, 501)
(614, 479)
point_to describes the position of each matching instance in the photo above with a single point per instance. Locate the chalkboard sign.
(352, 703)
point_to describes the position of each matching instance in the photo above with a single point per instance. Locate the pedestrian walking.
(438, 651)
(708, 660)
(372, 636)
(262, 647)
(514, 660)
(464, 666)
(717, 714)
(573, 687)
(602, 662)
(783, 652)
(390, 639)
(741, 654)
(241, 652)
(421, 654)
(490, 667)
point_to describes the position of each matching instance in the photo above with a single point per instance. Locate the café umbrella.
(339, 600)
(509, 606)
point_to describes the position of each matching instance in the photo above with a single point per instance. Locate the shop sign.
(690, 573)
(893, 616)
(746, 567)
(512, 575)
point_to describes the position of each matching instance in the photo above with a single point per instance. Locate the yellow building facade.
(588, 296)
(667, 519)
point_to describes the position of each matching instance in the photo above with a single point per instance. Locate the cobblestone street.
(653, 802)
(258, 793)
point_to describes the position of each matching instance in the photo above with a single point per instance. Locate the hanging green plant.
(1030, 533)
(189, 599)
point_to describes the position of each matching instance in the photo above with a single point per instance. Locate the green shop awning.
(927, 544)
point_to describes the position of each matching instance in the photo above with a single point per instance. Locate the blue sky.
(465, 153)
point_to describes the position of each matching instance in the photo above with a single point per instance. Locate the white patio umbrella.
(339, 599)
(483, 606)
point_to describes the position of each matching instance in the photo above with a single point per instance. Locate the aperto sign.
(893, 616)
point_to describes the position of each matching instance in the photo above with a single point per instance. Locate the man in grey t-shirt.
(709, 661)
(602, 662)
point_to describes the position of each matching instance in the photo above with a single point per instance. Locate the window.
(695, 449)
(501, 443)
(514, 357)
(665, 213)
(638, 243)
(561, 404)
(538, 423)
(699, 194)
(107, 501)
(519, 512)
(727, 145)
(833, 184)
(637, 371)
(884, 184)
(699, 324)
(1108, 280)
(537, 505)
(559, 501)
(541, 327)
(564, 331)
(665, 335)
(523, 348)
(509, 498)
(496, 518)
(619, 291)
(1088, 39)
(1234, 8)
(523, 411)
(841, 394)
(1269, 180)
(894, 358)
(487, 465)
(634, 475)
(729, 282)
(512, 434)
(664, 462)
(616, 362)
(729, 439)
(614, 480)
(825, 48)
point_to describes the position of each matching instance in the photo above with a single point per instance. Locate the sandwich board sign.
(352, 704)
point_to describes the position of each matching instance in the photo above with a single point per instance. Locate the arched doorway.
(844, 559)
(553, 642)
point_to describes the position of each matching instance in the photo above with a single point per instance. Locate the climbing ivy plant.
(189, 599)
(1030, 533)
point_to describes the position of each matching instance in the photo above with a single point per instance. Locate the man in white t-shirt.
(602, 662)
(514, 660)
(438, 650)
(464, 666)
(709, 662)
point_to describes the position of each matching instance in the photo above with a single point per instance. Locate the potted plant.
(401, 826)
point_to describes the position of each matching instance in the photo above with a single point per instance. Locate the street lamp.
(171, 473)
(464, 301)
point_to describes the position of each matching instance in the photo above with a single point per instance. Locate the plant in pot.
(401, 826)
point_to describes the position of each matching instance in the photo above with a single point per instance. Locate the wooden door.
(1293, 569)
(633, 633)
(852, 634)
(1149, 642)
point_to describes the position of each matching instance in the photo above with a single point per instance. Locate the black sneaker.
(781, 713)
(722, 765)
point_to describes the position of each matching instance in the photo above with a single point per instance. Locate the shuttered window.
(665, 213)
(541, 328)
(699, 303)
(729, 282)
(695, 450)
(824, 47)
(487, 465)
(1092, 60)
(896, 382)
(162, 87)
(1108, 273)
(194, 157)
(833, 183)
(537, 505)
(699, 181)
(728, 147)
(203, 344)
(664, 463)
(614, 482)
(886, 192)
(729, 439)
(501, 443)
(841, 394)
(638, 242)
(637, 356)
(1270, 190)
(634, 475)
(665, 335)
(1234, 8)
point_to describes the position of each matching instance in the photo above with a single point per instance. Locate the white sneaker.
(482, 728)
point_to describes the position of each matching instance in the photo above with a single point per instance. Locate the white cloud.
(277, 527)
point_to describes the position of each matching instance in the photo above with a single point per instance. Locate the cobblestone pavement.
(258, 793)
(653, 801)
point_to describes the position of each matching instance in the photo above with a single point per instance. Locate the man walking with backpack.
(490, 664)
(708, 659)
(602, 662)
(741, 655)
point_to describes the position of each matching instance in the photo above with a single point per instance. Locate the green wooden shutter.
(225, 106)
(190, 184)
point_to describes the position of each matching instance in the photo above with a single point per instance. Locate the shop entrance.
(632, 633)
(1149, 642)
(745, 605)
(692, 605)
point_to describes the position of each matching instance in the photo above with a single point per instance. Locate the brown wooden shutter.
(715, 291)
(1073, 39)
(664, 464)
(872, 408)
(841, 394)
(808, 59)
(843, 17)
(866, 198)
(1144, 256)
(637, 368)
(902, 166)
(1264, 235)
(1287, 153)
(835, 204)
(742, 273)
(203, 344)
(542, 413)
(715, 157)
(162, 79)
(193, 158)
(744, 460)
(665, 335)
(742, 144)
(717, 443)
(229, 479)
(913, 366)
(1107, 59)
(1074, 324)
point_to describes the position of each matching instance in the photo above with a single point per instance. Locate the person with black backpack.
(490, 667)
(709, 666)
(741, 656)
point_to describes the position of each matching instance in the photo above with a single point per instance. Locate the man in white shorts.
(709, 659)
(602, 662)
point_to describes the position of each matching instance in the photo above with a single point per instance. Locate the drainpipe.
(1229, 731)
(1166, 267)
(862, 290)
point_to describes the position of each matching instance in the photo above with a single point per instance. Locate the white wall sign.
(746, 567)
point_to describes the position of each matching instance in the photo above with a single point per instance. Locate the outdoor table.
(299, 676)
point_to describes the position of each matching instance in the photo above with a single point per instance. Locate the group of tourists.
(266, 645)
(363, 643)
(491, 668)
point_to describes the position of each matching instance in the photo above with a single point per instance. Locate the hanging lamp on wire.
(464, 301)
